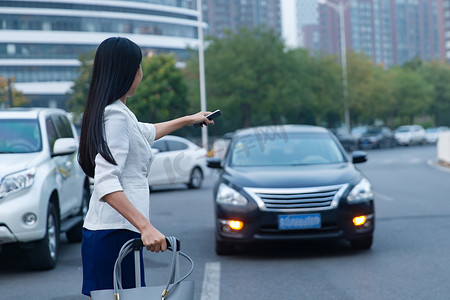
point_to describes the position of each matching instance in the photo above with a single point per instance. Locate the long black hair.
(115, 65)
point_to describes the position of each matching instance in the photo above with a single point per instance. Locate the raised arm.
(168, 127)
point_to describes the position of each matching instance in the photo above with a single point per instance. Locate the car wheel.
(363, 243)
(224, 248)
(196, 178)
(45, 254)
(75, 234)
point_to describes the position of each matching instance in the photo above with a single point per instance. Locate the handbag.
(180, 289)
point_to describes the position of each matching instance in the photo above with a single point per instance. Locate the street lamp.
(340, 8)
(201, 66)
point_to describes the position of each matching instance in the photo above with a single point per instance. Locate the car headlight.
(361, 192)
(17, 181)
(227, 195)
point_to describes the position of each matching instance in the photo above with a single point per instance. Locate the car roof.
(28, 112)
(275, 129)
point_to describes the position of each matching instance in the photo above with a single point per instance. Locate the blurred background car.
(290, 182)
(407, 135)
(177, 160)
(376, 137)
(348, 141)
(220, 146)
(432, 134)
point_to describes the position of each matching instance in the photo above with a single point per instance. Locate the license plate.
(286, 222)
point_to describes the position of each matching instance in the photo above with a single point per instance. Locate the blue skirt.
(99, 251)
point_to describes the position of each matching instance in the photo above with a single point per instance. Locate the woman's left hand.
(200, 117)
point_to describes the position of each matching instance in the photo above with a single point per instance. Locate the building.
(392, 32)
(40, 41)
(223, 15)
(444, 6)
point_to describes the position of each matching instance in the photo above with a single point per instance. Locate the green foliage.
(162, 94)
(80, 88)
(254, 81)
(18, 98)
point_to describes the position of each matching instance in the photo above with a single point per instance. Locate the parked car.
(177, 160)
(407, 135)
(377, 137)
(290, 182)
(358, 131)
(348, 141)
(220, 146)
(432, 134)
(43, 190)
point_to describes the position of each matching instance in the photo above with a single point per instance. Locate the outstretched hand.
(200, 117)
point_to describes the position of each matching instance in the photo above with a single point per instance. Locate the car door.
(68, 181)
(157, 174)
(169, 164)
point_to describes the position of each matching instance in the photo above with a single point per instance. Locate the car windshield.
(373, 130)
(431, 130)
(285, 150)
(19, 136)
(404, 129)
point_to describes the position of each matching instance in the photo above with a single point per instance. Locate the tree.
(249, 76)
(80, 88)
(437, 74)
(162, 94)
(370, 93)
(18, 98)
(412, 94)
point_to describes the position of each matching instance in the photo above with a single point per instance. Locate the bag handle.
(136, 244)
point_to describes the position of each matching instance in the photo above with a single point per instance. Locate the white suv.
(43, 190)
(410, 135)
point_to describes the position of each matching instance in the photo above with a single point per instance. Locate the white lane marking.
(384, 197)
(211, 281)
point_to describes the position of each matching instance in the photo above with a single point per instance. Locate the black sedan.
(377, 137)
(288, 183)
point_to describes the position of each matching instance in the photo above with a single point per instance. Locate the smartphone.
(211, 116)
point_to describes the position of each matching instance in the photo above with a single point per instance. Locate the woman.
(115, 150)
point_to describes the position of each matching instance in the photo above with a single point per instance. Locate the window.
(160, 145)
(63, 127)
(176, 145)
(52, 135)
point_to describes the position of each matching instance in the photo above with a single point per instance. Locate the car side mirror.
(65, 146)
(359, 157)
(214, 163)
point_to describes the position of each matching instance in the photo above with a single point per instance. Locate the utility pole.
(10, 92)
(201, 66)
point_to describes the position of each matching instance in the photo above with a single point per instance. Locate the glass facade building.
(392, 32)
(41, 41)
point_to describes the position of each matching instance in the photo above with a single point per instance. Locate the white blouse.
(129, 142)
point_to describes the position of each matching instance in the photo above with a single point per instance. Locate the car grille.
(298, 199)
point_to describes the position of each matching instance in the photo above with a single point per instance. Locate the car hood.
(11, 163)
(292, 176)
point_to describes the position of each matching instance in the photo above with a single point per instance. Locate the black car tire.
(75, 234)
(224, 248)
(363, 243)
(196, 179)
(46, 252)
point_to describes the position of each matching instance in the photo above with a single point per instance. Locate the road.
(409, 259)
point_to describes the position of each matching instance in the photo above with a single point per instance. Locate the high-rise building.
(390, 31)
(40, 41)
(223, 15)
(444, 6)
